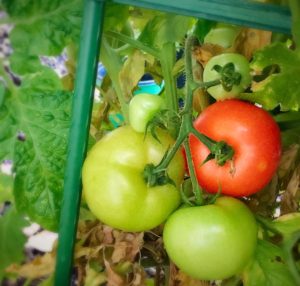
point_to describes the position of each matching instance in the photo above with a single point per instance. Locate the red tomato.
(255, 138)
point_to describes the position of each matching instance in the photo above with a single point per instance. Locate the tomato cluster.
(212, 241)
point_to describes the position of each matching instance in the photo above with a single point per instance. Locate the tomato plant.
(222, 65)
(134, 182)
(211, 242)
(114, 187)
(142, 108)
(255, 139)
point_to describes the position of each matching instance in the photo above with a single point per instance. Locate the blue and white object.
(148, 85)
(101, 73)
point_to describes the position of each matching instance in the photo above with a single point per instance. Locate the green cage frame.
(240, 12)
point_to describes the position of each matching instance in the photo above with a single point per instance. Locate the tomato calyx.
(154, 178)
(221, 152)
(228, 75)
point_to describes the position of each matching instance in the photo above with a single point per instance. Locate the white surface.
(42, 241)
(31, 230)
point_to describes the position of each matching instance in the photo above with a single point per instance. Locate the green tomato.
(241, 65)
(113, 183)
(211, 242)
(223, 35)
(142, 108)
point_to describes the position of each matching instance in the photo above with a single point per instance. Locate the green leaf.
(113, 64)
(45, 80)
(161, 30)
(295, 10)
(2, 93)
(6, 188)
(17, 60)
(45, 120)
(42, 112)
(268, 267)
(94, 277)
(111, 22)
(85, 213)
(132, 71)
(48, 281)
(41, 28)
(289, 123)
(282, 88)
(139, 17)
(287, 224)
(290, 137)
(12, 239)
(202, 27)
(7, 130)
(288, 120)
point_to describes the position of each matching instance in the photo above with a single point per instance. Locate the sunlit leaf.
(41, 28)
(35, 121)
(268, 267)
(132, 71)
(160, 30)
(278, 89)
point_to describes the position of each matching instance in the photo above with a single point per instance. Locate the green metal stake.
(81, 113)
(240, 12)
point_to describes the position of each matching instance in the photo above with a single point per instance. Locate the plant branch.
(133, 43)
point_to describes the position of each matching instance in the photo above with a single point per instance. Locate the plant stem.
(132, 43)
(167, 274)
(167, 59)
(165, 163)
(196, 188)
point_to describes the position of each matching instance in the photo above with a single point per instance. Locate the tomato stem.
(196, 188)
(221, 152)
(171, 153)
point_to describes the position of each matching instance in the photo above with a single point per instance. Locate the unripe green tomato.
(211, 242)
(113, 183)
(223, 35)
(241, 65)
(142, 109)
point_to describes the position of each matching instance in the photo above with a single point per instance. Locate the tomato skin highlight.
(255, 138)
(113, 184)
(211, 242)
